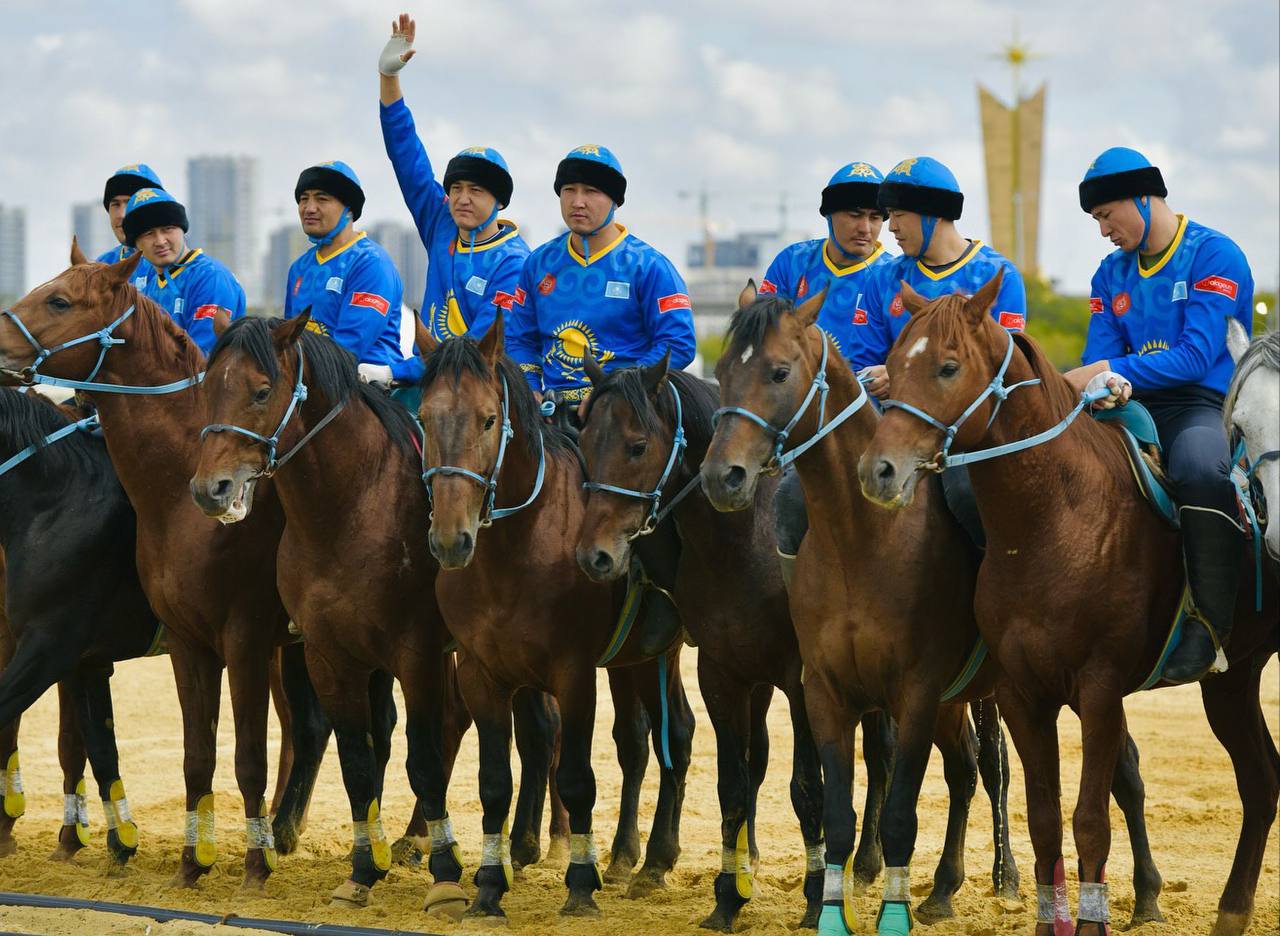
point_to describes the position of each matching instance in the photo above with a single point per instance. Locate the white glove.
(395, 54)
(377, 374)
(1121, 391)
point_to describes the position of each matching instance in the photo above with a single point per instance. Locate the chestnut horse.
(522, 612)
(354, 571)
(90, 320)
(648, 429)
(1078, 589)
(882, 603)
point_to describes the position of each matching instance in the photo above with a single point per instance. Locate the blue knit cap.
(596, 166)
(928, 188)
(1120, 173)
(854, 187)
(339, 180)
(152, 208)
(128, 179)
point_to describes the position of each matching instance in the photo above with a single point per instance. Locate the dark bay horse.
(1076, 595)
(522, 612)
(732, 601)
(184, 560)
(883, 609)
(355, 574)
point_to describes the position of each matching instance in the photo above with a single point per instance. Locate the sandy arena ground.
(1192, 810)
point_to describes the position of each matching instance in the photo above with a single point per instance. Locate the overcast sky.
(751, 98)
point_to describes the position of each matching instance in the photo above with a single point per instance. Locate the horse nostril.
(464, 542)
(221, 488)
(602, 562)
(885, 471)
(735, 477)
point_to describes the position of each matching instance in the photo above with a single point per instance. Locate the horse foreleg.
(309, 730)
(806, 800)
(383, 715)
(957, 743)
(90, 693)
(280, 702)
(8, 733)
(757, 760)
(833, 732)
(993, 766)
(577, 697)
(198, 675)
(631, 738)
(248, 677)
(878, 751)
(1232, 705)
(1102, 738)
(74, 834)
(1034, 728)
(535, 744)
(1130, 795)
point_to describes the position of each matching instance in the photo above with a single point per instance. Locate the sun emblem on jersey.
(835, 342)
(572, 342)
(1153, 346)
(317, 327)
(862, 169)
(589, 149)
(447, 320)
(143, 195)
(904, 167)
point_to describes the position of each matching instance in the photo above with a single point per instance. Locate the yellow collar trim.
(944, 273)
(595, 255)
(860, 265)
(1168, 254)
(511, 230)
(351, 243)
(162, 281)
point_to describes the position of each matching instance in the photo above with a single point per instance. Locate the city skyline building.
(91, 228)
(222, 209)
(13, 252)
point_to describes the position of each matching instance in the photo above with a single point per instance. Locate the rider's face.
(1120, 223)
(906, 229)
(470, 205)
(115, 211)
(857, 231)
(162, 245)
(319, 212)
(583, 207)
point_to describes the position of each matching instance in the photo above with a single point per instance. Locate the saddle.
(1141, 443)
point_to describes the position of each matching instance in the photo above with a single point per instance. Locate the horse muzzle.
(452, 550)
(602, 565)
(886, 482)
(729, 487)
(227, 499)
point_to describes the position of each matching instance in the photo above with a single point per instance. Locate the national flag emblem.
(767, 288)
(519, 296)
(1121, 304)
(503, 300)
(547, 285)
(371, 301)
(859, 316)
(1179, 290)
(1095, 305)
(1220, 285)
(297, 284)
(803, 288)
(1014, 321)
(674, 301)
(896, 307)
(209, 311)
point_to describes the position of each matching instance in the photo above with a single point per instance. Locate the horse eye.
(781, 374)
(488, 423)
(949, 369)
(639, 448)
(262, 395)
(59, 303)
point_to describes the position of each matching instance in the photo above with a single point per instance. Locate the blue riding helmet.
(925, 186)
(152, 208)
(1120, 173)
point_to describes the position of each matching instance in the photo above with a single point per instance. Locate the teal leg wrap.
(894, 920)
(831, 922)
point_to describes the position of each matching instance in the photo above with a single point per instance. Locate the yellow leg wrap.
(378, 845)
(742, 858)
(118, 815)
(15, 801)
(82, 814)
(200, 834)
(846, 882)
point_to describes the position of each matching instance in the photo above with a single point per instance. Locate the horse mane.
(747, 327)
(160, 335)
(699, 399)
(331, 372)
(1263, 354)
(27, 418)
(459, 355)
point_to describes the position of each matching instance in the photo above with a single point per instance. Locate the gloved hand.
(1120, 389)
(377, 374)
(399, 48)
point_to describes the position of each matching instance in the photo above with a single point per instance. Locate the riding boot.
(1211, 545)
(788, 566)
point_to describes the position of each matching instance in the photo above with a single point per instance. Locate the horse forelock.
(1263, 354)
(748, 327)
(698, 401)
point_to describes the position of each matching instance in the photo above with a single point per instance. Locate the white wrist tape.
(389, 62)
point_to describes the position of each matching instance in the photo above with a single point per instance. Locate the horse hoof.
(528, 852)
(1146, 914)
(580, 906)
(185, 880)
(8, 846)
(810, 918)
(349, 894)
(719, 921)
(618, 872)
(446, 900)
(933, 909)
(1231, 924)
(858, 884)
(286, 835)
(63, 853)
(646, 883)
(490, 917)
(407, 851)
(557, 850)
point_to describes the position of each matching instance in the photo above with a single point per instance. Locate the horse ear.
(912, 301)
(1237, 339)
(808, 310)
(979, 305)
(423, 339)
(595, 373)
(748, 294)
(77, 255)
(221, 321)
(290, 330)
(491, 343)
(121, 271)
(655, 375)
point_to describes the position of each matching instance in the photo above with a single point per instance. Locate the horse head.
(770, 360)
(1252, 414)
(250, 385)
(627, 442)
(83, 299)
(942, 362)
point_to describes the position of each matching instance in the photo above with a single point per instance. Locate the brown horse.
(860, 636)
(731, 598)
(184, 559)
(1079, 586)
(520, 609)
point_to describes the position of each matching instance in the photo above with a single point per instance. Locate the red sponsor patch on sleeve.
(1095, 305)
(503, 300)
(1120, 305)
(1220, 285)
(371, 301)
(859, 316)
(519, 296)
(1014, 321)
(767, 288)
(209, 311)
(674, 301)
(803, 288)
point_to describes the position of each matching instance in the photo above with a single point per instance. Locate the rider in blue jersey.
(115, 198)
(1158, 331)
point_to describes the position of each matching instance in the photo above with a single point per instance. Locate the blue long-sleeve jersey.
(1166, 327)
(625, 308)
(192, 291)
(354, 295)
(887, 316)
(465, 288)
(805, 269)
(141, 273)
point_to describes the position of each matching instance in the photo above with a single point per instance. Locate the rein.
(1000, 390)
(87, 424)
(818, 387)
(654, 497)
(488, 513)
(272, 442)
(105, 337)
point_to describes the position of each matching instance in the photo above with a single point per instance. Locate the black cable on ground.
(163, 915)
